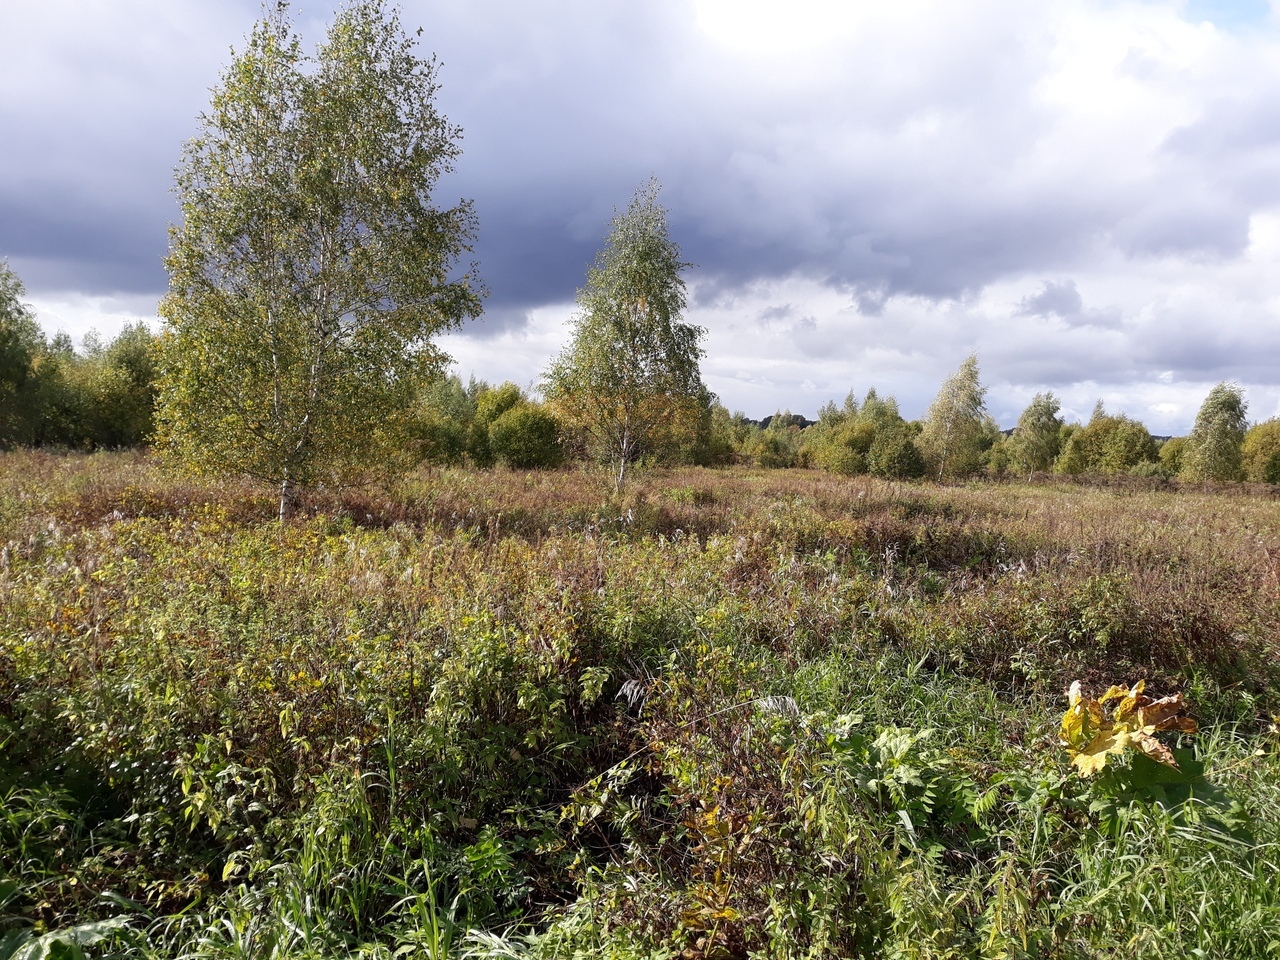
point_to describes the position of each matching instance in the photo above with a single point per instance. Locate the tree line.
(312, 268)
(957, 438)
(52, 395)
(104, 394)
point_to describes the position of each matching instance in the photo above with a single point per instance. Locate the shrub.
(1260, 452)
(526, 437)
(894, 455)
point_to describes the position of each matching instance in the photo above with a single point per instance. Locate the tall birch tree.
(952, 439)
(312, 266)
(1213, 448)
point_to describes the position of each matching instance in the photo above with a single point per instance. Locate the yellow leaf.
(1113, 693)
(1073, 725)
(1089, 764)
(1131, 702)
(1154, 749)
(1093, 757)
(1091, 736)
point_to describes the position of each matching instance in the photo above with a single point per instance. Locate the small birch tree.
(1037, 439)
(628, 381)
(953, 435)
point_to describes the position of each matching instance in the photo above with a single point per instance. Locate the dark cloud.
(1197, 227)
(870, 303)
(760, 184)
(781, 311)
(60, 244)
(1062, 300)
(497, 321)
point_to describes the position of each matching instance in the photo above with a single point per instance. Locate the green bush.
(526, 437)
(844, 448)
(895, 456)
(1260, 452)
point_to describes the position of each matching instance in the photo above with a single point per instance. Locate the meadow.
(725, 713)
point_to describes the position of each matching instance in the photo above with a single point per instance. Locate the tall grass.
(725, 714)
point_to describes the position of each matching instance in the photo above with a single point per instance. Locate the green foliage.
(952, 441)
(526, 437)
(756, 713)
(1107, 444)
(845, 447)
(1260, 452)
(894, 455)
(720, 435)
(441, 417)
(1214, 447)
(311, 267)
(1037, 439)
(486, 425)
(1172, 455)
(50, 395)
(628, 380)
(118, 384)
(843, 439)
(778, 444)
(20, 343)
(490, 404)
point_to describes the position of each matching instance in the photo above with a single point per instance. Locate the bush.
(894, 456)
(1171, 453)
(1148, 468)
(1107, 444)
(844, 449)
(1260, 452)
(526, 437)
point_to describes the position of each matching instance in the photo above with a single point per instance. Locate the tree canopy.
(1107, 444)
(1213, 448)
(1260, 452)
(1037, 439)
(629, 381)
(20, 341)
(312, 267)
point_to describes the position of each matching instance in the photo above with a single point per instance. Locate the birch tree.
(311, 267)
(1037, 439)
(1213, 448)
(629, 379)
(952, 439)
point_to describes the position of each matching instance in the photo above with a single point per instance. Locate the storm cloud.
(1085, 192)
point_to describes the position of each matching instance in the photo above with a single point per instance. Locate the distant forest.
(103, 395)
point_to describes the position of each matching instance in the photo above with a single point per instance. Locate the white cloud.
(1085, 192)
(77, 314)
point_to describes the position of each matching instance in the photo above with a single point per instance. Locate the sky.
(1086, 193)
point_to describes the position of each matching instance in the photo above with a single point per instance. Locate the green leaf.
(69, 943)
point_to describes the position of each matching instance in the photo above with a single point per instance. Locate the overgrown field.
(729, 714)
